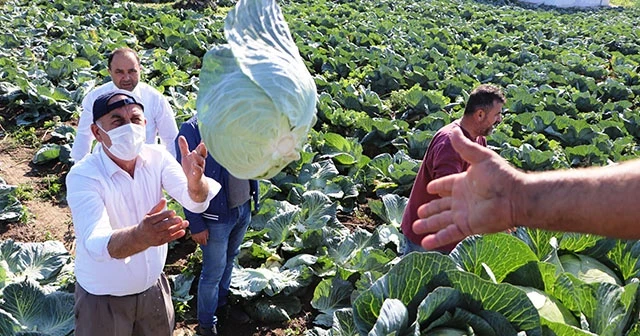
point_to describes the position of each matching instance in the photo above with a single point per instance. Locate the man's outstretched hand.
(477, 201)
(193, 164)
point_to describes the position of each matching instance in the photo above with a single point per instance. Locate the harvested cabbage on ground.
(257, 100)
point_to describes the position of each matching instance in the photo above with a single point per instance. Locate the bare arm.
(158, 227)
(492, 196)
(602, 201)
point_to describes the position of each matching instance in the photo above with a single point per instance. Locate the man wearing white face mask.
(121, 225)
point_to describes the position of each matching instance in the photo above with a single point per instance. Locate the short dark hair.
(483, 96)
(121, 51)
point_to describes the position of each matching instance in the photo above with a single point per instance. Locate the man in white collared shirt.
(121, 223)
(124, 69)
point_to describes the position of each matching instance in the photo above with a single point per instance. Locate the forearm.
(198, 190)
(125, 243)
(600, 201)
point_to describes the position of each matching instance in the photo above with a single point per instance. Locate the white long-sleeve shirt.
(104, 198)
(157, 111)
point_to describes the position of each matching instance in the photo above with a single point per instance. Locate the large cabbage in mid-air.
(257, 100)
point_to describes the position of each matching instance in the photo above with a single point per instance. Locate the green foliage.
(625, 3)
(472, 288)
(389, 74)
(26, 137)
(51, 187)
(180, 287)
(32, 278)
(11, 210)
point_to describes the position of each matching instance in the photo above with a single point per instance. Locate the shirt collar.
(464, 131)
(136, 90)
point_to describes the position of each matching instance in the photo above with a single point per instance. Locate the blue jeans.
(222, 247)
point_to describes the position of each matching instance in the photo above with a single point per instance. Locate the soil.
(49, 218)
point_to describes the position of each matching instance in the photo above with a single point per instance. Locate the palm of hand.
(481, 199)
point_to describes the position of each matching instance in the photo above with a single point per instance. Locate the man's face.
(125, 71)
(492, 117)
(121, 116)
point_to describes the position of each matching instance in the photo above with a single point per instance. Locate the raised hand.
(192, 161)
(477, 201)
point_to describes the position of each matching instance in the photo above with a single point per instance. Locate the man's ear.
(96, 133)
(480, 114)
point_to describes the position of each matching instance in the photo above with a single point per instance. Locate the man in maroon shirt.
(482, 112)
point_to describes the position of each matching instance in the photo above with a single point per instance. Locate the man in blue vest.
(219, 231)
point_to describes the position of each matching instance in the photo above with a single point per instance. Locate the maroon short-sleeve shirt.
(439, 160)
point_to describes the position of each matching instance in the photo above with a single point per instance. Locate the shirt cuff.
(97, 246)
(214, 189)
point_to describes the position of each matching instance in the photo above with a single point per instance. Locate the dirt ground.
(50, 219)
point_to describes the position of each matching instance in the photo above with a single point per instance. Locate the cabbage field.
(326, 241)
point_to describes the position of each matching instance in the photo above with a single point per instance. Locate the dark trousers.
(149, 313)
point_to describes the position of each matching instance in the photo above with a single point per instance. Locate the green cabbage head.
(588, 269)
(257, 100)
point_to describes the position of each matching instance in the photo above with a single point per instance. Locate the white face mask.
(126, 140)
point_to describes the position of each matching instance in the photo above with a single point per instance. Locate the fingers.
(158, 207)
(200, 238)
(202, 150)
(165, 231)
(176, 235)
(198, 160)
(160, 216)
(184, 146)
(468, 150)
(448, 235)
(432, 224)
(192, 161)
(177, 231)
(443, 185)
(434, 207)
(436, 220)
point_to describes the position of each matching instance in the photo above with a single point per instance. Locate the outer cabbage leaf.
(437, 294)
(393, 319)
(36, 311)
(257, 100)
(588, 269)
(549, 307)
(343, 323)
(329, 296)
(274, 309)
(41, 262)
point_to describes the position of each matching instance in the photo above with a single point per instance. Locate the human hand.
(477, 201)
(161, 226)
(192, 161)
(201, 237)
(193, 166)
